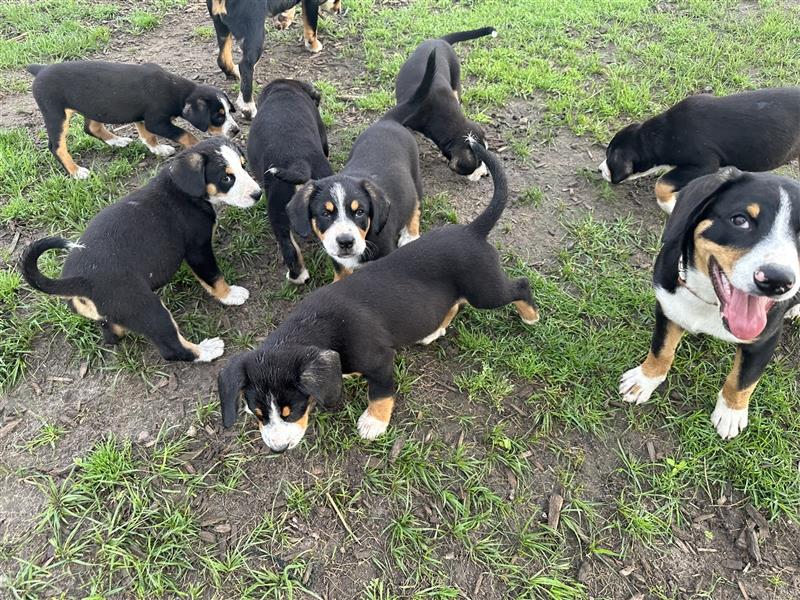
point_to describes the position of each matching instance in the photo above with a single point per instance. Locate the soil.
(97, 404)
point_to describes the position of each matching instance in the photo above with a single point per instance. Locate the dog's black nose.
(256, 195)
(774, 279)
(346, 242)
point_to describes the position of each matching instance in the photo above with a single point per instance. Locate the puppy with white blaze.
(355, 326)
(729, 268)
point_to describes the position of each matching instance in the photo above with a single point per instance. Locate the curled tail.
(71, 286)
(404, 113)
(34, 69)
(483, 224)
(462, 36)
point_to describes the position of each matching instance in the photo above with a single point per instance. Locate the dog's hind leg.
(373, 422)
(494, 289)
(98, 130)
(57, 125)
(252, 47)
(153, 320)
(292, 257)
(310, 17)
(669, 185)
(410, 232)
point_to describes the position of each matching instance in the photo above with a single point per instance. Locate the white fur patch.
(369, 427)
(236, 296)
(792, 313)
(118, 142)
(240, 192)
(669, 205)
(248, 108)
(278, 434)
(300, 279)
(210, 349)
(229, 123)
(81, 173)
(636, 387)
(478, 173)
(729, 422)
(160, 149)
(343, 225)
(432, 337)
(405, 237)
(604, 171)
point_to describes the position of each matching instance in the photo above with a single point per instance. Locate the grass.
(492, 417)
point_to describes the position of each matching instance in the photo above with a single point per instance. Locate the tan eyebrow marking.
(354, 205)
(754, 210)
(286, 411)
(329, 206)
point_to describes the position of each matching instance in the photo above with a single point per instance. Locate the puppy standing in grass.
(115, 93)
(432, 106)
(355, 326)
(136, 245)
(729, 268)
(287, 146)
(757, 130)
(371, 206)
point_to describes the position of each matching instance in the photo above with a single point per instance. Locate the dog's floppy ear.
(379, 206)
(297, 209)
(691, 202)
(197, 113)
(230, 382)
(188, 173)
(322, 379)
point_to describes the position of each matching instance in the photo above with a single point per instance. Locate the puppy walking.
(113, 93)
(355, 326)
(136, 245)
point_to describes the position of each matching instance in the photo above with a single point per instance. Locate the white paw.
(236, 72)
(792, 313)
(119, 142)
(369, 427)
(81, 173)
(530, 321)
(636, 387)
(210, 349)
(478, 173)
(729, 422)
(406, 238)
(300, 279)
(161, 150)
(432, 337)
(248, 108)
(236, 296)
(311, 48)
(669, 205)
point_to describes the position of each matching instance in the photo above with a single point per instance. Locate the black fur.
(289, 138)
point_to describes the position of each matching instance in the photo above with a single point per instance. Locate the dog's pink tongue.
(746, 314)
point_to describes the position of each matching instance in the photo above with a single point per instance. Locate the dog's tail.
(485, 221)
(34, 69)
(71, 286)
(295, 176)
(462, 36)
(403, 113)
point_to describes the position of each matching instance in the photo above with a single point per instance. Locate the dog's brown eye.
(740, 221)
(359, 212)
(226, 178)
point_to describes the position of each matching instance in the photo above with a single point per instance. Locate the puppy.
(360, 212)
(728, 268)
(136, 245)
(356, 325)
(145, 95)
(244, 20)
(753, 131)
(287, 146)
(434, 108)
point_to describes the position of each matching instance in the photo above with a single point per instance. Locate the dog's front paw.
(248, 108)
(81, 173)
(119, 142)
(162, 150)
(369, 427)
(236, 296)
(300, 279)
(478, 173)
(282, 21)
(792, 313)
(210, 349)
(729, 422)
(636, 387)
(315, 46)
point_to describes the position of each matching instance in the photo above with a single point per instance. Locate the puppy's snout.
(256, 194)
(774, 280)
(345, 242)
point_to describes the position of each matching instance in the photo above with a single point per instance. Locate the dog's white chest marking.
(692, 312)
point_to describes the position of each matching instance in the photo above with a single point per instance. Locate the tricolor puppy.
(728, 268)
(136, 245)
(115, 93)
(432, 105)
(355, 326)
(244, 21)
(753, 131)
(287, 146)
(371, 206)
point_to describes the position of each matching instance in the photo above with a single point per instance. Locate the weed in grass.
(532, 196)
(204, 32)
(141, 21)
(48, 435)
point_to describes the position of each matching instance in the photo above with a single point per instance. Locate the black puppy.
(355, 326)
(435, 111)
(136, 245)
(753, 131)
(371, 206)
(728, 268)
(287, 146)
(244, 20)
(146, 95)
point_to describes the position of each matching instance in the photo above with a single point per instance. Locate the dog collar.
(682, 283)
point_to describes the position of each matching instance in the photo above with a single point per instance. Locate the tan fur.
(665, 192)
(148, 138)
(286, 411)
(658, 366)
(193, 348)
(381, 409)
(219, 7)
(187, 139)
(86, 308)
(226, 54)
(285, 19)
(309, 35)
(341, 274)
(117, 330)
(735, 398)
(99, 130)
(297, 249)
(526, 311)
(754, 210)
(61, 150)
(220, 289)
(413, 225)
(726, 256)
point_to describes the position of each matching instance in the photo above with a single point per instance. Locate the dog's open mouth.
(743, 314)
